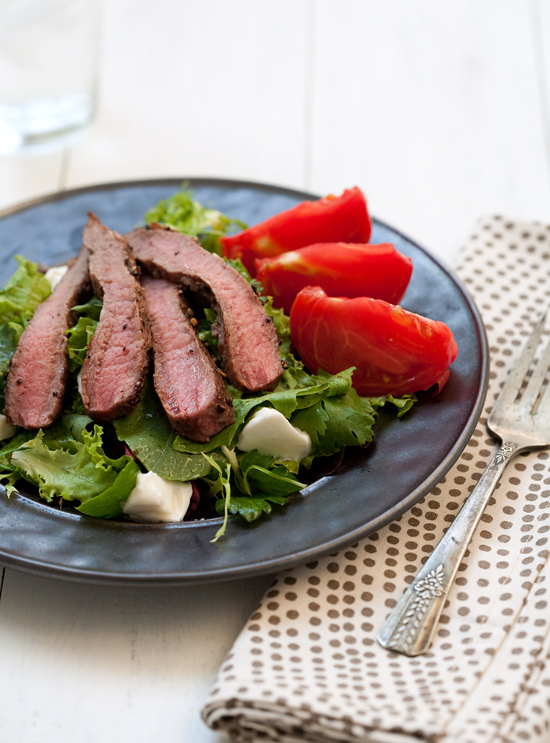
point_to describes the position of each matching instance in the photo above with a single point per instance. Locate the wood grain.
(91, 663)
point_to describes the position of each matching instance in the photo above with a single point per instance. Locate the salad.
(96, 466)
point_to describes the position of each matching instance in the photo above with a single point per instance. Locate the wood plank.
(213, 89)
(94, 663)
(433, 108)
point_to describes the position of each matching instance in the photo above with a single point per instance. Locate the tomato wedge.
(340, 269)
(331, 219)
(394, 351)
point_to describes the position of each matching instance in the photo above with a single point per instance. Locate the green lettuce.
(22, 294)
(300, 391)
(19, 298)
(183, 213)
(63, 466)
(80, 335)
(248, 484)
(72, 460)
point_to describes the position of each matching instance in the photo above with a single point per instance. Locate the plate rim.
(270, 565)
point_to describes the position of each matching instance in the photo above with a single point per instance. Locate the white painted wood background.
(439, 111)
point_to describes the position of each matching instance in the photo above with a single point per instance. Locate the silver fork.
(521, 420)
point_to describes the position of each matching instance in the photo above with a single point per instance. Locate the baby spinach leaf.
(150, 437)
(109, 503)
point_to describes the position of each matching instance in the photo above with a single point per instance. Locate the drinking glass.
(48, 72)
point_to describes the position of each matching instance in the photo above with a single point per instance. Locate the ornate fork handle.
(410, 627)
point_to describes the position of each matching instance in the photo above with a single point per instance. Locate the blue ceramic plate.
(371, 487)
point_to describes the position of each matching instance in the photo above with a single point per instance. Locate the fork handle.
(410, 627)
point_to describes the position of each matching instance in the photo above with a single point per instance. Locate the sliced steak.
(116, 364)
(247, 340)
(187, 381)
(38, 372)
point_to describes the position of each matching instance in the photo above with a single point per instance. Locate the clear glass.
(48, 72)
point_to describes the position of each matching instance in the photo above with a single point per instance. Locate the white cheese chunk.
(6, 428)
(271, 433)
(55, 274)
(155, 499)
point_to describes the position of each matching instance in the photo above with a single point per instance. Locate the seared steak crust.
(116, 364)
(38, 372)
(247, 340)
(187, 381)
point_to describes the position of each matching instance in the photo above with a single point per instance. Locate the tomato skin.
(340, 269)
(331, 219)
(395, 351)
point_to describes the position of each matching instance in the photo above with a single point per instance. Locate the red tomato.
(331, 219)
(395, 351)
(340, 269)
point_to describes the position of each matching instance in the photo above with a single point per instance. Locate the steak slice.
(247, 340)
(116, 363)
(37, 376)
(187, 381)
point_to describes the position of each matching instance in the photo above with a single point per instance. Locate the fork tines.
(521, 388)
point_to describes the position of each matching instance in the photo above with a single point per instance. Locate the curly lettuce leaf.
(92, 308)
(79, 471)
(183, 213)
(281, 323)
(80, 335)
(8, 471)
(16, 442)
(19, 298)
(22, 293)
(67, 461)
(402, 404)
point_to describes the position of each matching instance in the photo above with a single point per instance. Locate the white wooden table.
(439, 111)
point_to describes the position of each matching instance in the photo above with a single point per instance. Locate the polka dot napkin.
(307, 667)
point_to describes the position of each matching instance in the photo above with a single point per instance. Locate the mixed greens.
(96, 466)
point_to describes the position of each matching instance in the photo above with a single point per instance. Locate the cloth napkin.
(307, 666)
